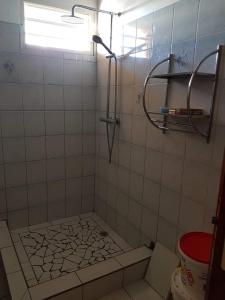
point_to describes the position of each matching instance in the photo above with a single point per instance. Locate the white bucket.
(193, 275)
(177, 288)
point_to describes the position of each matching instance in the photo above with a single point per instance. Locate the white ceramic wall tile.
(134, 256)
(103, 286)
(35, 148)
(99, 270)
(149, 224)
(10, 261)
(54, 122)
(17, 285)
(117, 295)
(151, 195)
(135, 272)
(54, 287)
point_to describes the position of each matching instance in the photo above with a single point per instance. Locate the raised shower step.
(74, 273)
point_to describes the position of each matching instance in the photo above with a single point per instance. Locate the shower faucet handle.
(110, 120)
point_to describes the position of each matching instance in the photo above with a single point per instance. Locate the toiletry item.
(185, 111)
(164, 110)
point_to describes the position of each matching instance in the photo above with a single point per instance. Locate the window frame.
(38, 49)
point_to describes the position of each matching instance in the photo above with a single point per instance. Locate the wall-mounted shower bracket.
(110, 120)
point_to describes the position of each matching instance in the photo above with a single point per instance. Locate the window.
(44, 27)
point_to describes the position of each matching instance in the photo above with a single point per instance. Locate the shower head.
(72, 19)
(96, 39)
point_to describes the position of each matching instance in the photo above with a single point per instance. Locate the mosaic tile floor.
(53, 250)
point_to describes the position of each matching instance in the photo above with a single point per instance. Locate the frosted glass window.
(44, 27)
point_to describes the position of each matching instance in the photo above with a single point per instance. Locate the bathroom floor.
(48, 251)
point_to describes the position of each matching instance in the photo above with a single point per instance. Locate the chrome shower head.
(72, 19)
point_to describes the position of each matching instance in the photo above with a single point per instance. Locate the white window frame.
(26, 47)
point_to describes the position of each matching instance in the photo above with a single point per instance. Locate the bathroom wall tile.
(14, 149)
(35, 148)
(73, 167)
(185, 20)
(53, 70)
(89, 98)
(73, 122)
(162, 26)
(56, 192)
(88, 165)
(191, 215)
(37, 195)
(151, 194)
(55, 287)
(73, 145)
(204, 46)
(2, 177)
(208, 13)
(34, 123)
(197, 150)
(169, 205)
(154, 138)
(16, 198)
(15, 174)
(123, 179)
(10, 38)
(122, 205)
(36, 172)
(73, 97)
(55, 146)
(6, 75)
(135, 213)
(11, 97)
(12, 124)
(3, 205)
(18, 219)
(136, 187)
(88, 144)
(54, 97)
(103, 286)
(72, 72)
(55, 169)
(139, 131)
(153, 165)
(124, 154)
(184, 56)
(37, 215)
(126, 103)
(31, 69)
(167, 234)
(10, 260)
(138, 159)
(195, 180)
(89, 122)
(89, 73)
(133, 236)
(172, 172)
(54, 122)
(174, 143)
(17, 284)
(33, 97)
(149, 224)
(1, 152)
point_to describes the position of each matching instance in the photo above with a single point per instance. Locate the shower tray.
(78, 257)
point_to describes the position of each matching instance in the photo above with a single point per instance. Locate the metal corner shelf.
(183, 75)
(184, 123)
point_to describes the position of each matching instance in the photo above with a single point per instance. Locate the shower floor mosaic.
(51, 250)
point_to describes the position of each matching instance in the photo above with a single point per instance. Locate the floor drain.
(104, 233)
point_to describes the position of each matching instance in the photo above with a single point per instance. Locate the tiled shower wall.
(47, 152)
(161, 185)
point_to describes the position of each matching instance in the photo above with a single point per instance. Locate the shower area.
(87, 184)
